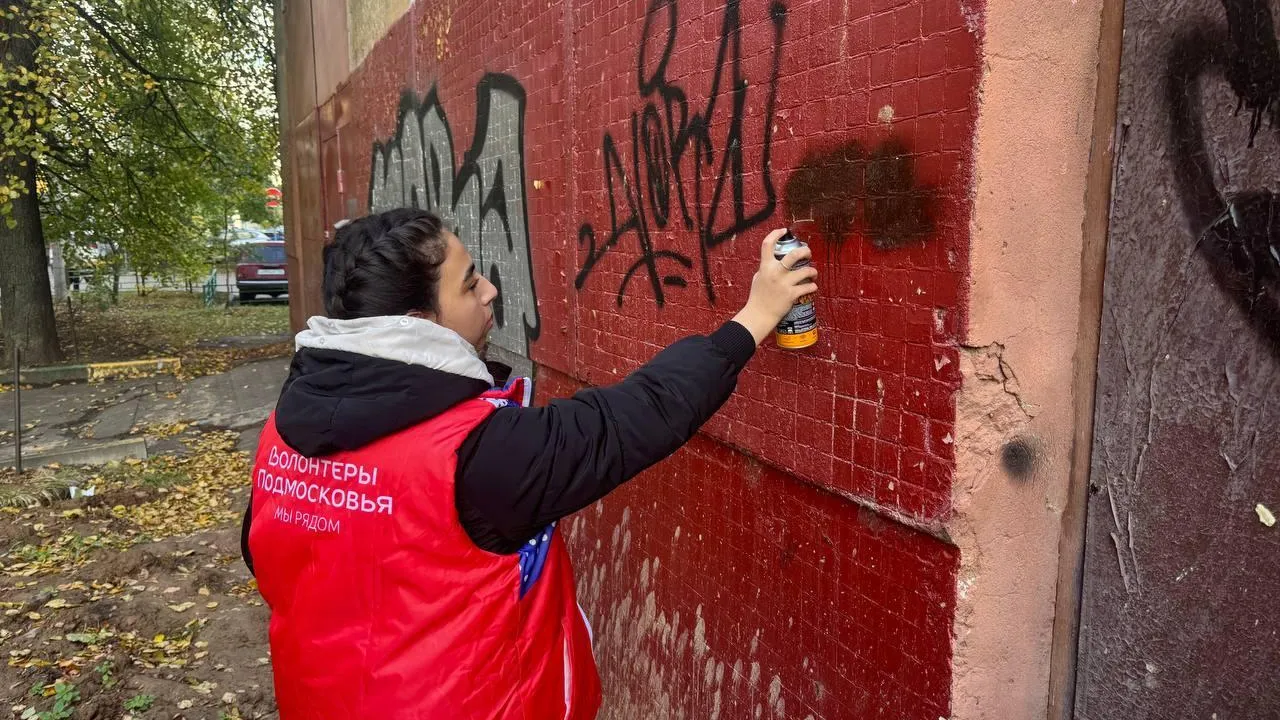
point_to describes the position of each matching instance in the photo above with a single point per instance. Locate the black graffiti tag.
(1237, 234)
(1253, 68)
(672, 145)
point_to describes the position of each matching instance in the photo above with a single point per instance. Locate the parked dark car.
(261, 269)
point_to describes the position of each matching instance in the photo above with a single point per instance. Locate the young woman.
(402, 526)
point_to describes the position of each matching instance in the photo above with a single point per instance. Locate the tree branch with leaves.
(128, 122)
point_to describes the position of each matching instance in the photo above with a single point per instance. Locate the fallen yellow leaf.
(1265, 515)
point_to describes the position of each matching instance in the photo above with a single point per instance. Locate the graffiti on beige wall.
(481, 199)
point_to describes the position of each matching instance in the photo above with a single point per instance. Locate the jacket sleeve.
(526, 467)
(245, 521)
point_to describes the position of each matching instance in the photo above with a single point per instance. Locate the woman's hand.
(775, 288)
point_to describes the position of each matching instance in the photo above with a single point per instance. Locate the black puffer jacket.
(522, 468)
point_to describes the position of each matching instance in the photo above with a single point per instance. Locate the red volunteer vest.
(382, 606)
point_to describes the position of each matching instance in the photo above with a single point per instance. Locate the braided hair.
(384, 264)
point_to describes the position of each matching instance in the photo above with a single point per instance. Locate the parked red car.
(262, 269)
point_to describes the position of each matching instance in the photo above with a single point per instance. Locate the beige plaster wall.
(1033, 141)
(329, 25)
(367, 22)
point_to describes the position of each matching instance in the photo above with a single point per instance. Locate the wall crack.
(990, 365)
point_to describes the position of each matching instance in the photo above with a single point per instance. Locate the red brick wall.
(788, 563)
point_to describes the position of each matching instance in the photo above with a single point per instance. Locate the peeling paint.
(972, 17)
(632, 623)
(991, 367)
(700, 636)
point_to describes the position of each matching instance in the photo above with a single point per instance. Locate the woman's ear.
(423, 315)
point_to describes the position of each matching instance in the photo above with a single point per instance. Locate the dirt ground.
(134, 602)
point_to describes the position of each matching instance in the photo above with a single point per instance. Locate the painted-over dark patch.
(1018, 457)
(847, 188)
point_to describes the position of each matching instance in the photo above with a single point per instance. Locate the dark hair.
(384, 264)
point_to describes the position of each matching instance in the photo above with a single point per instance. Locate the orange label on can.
(798, 340)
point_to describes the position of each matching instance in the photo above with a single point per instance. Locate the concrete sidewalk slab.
(71, 416)
(117, 420)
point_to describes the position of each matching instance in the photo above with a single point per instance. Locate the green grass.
(164, 478)
(159, 324)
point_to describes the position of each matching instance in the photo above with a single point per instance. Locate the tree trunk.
(26, 302)
(24, 277)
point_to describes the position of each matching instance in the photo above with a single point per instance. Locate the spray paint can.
(799, 329)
